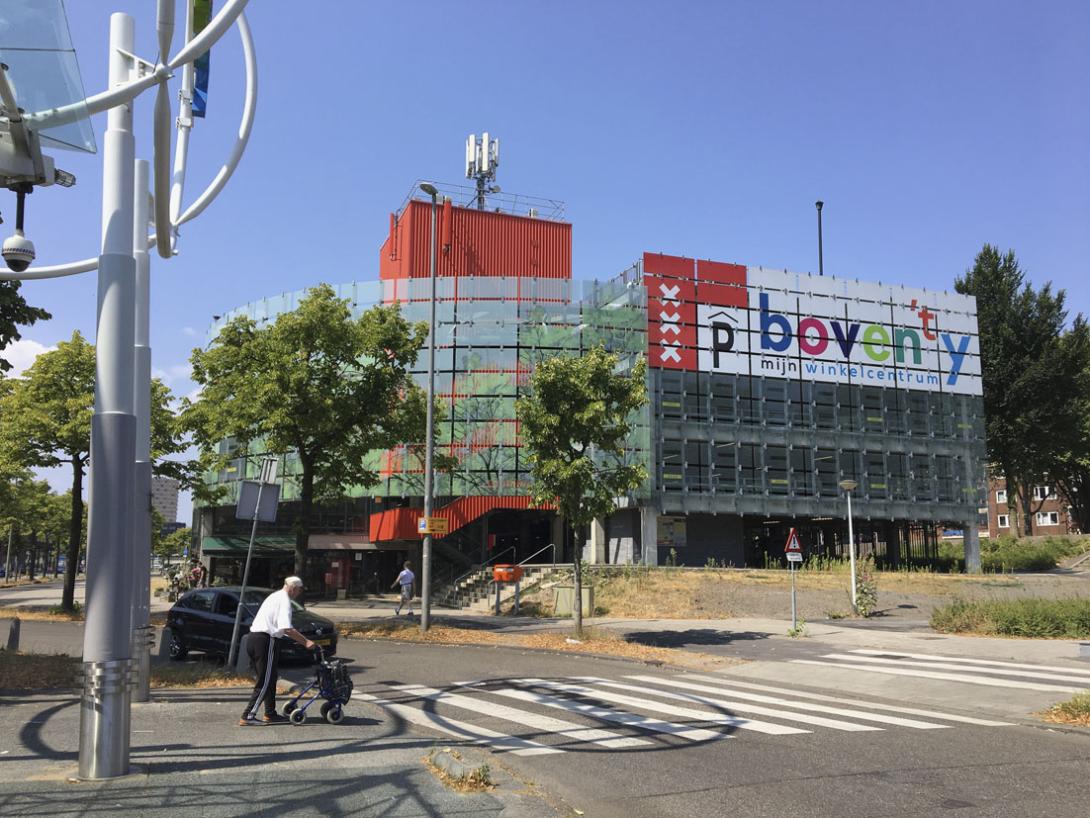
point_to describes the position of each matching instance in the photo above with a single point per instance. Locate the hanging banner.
(201, 14)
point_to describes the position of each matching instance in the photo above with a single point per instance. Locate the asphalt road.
(799, 731)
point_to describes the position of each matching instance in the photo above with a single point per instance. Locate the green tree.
(317, 383)
(1027, 363)
(14, 311)
(47, 423)
(575, 422)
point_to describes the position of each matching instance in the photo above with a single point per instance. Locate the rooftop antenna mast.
(482, 159)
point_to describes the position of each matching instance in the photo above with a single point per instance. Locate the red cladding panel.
(663, 265)
(482, 243)
(721, 284)
(671, 322)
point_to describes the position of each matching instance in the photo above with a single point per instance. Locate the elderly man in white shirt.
(271, 624)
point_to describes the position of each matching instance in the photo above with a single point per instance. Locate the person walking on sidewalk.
(271, 624)
(405, 579)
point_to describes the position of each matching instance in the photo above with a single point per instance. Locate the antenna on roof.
(482, 159)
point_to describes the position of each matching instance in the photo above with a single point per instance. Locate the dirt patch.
(35, 671)
(39, 615)
(197, 675)
(595, 641)
(665, 593)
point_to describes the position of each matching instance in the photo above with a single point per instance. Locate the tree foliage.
(15, 312)
(318, 383)
(1031, 365)
(47, 422)
(574, 425)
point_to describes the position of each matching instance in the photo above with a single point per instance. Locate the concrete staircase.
(474, 591)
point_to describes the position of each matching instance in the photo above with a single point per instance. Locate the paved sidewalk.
(193, 761)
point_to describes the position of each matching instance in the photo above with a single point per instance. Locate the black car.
(202, 620)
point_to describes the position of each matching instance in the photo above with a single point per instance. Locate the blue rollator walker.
(331, 683)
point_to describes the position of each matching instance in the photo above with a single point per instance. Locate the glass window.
(775, 403)
(722, 398)
(671, 466)
(897, 470)
(696, 467)
(877, 485)
(201, 601)
(825, 405)
(825, 461)
(922, 488)
(1004, 521)
(1048, 518)
(918, 413)
(724, 468)
(872, 409)
(802, 471)
(1001, 496)
(752, 468)
(776, 460)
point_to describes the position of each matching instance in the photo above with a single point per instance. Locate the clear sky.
(699, 128)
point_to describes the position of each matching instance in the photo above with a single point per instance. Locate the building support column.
(972, 547)
(596, 554)
(649, 536)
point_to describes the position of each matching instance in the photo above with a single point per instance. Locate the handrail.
(454, 582)
(550, 545)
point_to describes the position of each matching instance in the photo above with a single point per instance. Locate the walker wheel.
(289, 707)
(334, 714)
(298, 716)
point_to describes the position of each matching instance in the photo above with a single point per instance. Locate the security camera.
(18, 251)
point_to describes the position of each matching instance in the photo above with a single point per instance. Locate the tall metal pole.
(233, 653)
(821, 262)
(851, 548)
(105, 702)
(429, 445)
(141, 574)
(7, 557)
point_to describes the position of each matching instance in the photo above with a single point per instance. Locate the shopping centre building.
(768, 390)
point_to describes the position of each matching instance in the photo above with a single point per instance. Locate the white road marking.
(668, 709)
(951, 666)
(545, 724)
(460, 729)
(1077, 672)
(888, 708)
(615, 716)
(744, 707)
(817, 708)
(951, 677)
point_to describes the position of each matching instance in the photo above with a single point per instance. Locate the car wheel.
(177, 650)
(298, 716)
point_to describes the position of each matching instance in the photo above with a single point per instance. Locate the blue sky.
(697, 128)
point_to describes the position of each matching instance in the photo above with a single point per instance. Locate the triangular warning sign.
(793, 543)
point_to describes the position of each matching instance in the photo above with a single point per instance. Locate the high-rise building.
(164, 498)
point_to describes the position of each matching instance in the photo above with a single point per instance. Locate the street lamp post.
(429, 444)
(849, 486)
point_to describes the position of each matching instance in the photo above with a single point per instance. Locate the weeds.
(799, 630)
(1074, 711)
(1065, 618)
(866, 587)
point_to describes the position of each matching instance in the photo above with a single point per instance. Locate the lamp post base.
(104, 719)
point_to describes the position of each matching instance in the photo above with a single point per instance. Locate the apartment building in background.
(1051, 514)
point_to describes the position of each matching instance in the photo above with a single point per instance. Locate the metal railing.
(546, 548)
(475, 569)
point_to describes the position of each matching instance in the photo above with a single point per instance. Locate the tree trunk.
(302, 525)
(75, 531)
(577, 566)
(1027, 515)
(33, 552)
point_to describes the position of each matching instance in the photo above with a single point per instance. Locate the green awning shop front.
(268, 545)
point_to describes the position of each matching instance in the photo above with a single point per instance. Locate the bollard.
(13, 635)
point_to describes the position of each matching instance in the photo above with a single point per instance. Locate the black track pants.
(264, 652)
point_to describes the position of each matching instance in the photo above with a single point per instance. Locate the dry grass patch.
(51, 615)
(475, 779)
(37, 671)
(596, 641)
(1074, 711)
(199, 675)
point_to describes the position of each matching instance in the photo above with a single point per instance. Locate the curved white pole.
(161, 133)
(205, 199)
(113, 97)
(249, 108)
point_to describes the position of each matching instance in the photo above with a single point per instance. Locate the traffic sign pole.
(793, 549)
(794, 617)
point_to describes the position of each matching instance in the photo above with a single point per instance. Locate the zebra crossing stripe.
(545, 724)
(614, 716)
(881, 660)
(1078, 673)
(460, 729)
(887, 708)
(668, 709)
(740, 706)
(817, 708)
(951, 677)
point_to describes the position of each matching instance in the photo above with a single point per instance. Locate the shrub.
(1065, 618)
(866, 587)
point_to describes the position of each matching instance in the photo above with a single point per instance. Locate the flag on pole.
(202, 13)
